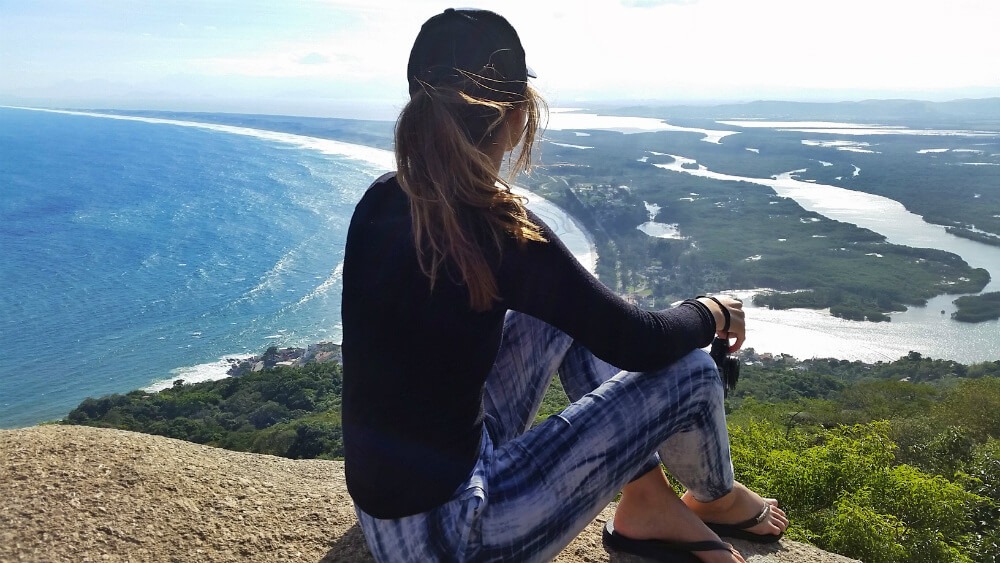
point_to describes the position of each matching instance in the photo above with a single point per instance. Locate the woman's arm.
(545, 280)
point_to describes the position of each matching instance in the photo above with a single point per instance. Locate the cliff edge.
(74, 493)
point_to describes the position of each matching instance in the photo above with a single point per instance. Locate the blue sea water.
(133, 253)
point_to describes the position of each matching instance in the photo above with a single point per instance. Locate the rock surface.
(72, 493)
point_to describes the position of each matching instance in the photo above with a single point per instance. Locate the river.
(807, 333)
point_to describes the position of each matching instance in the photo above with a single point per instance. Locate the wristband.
(725, 312)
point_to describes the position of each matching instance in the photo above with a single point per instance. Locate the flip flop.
(739, 530)
(660, 550)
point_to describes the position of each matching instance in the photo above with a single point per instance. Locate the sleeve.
(545, 281)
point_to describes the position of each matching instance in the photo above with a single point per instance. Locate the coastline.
(379, 158)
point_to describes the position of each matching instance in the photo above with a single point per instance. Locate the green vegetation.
(978, 308)
(885, 471)
(973, 235)
(871, 466)
(284, 411)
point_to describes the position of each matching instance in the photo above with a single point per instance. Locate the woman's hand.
(737, 324)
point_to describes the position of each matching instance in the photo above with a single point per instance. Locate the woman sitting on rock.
(459, 305)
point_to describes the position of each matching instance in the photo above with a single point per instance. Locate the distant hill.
(880, 111)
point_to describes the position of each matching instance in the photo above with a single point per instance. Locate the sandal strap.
(620, 542)
(750, 523)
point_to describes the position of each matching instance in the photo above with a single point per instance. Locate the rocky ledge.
(73, 493)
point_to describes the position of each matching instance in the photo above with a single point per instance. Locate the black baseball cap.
(461, 42)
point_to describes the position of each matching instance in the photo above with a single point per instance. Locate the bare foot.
(649, 509)
(740, 505)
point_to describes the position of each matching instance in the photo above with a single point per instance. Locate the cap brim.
(530, 72)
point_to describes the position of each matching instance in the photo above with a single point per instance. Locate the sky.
(347, 58)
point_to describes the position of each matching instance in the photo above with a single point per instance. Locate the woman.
(459, 306)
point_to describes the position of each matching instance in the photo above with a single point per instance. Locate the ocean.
(136, 253)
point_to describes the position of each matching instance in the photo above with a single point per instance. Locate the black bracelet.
(725, 311)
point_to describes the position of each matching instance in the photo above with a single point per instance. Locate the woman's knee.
(699, 369)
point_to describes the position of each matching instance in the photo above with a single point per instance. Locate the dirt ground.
(70, 493)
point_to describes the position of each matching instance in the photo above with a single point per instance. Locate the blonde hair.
(454, 190)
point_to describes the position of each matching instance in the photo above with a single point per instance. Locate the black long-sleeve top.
(415, 360)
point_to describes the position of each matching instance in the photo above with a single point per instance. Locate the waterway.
(928, 330)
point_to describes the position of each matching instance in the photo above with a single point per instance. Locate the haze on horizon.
(347, 58)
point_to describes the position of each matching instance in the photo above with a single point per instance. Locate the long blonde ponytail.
(458, 202)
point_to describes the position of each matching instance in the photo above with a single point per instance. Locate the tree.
(973, 405)
(268, 414)
(313, 439)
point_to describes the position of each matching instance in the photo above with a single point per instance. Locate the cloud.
(314, 59)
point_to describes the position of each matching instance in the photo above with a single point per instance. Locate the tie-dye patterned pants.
(534, 489)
